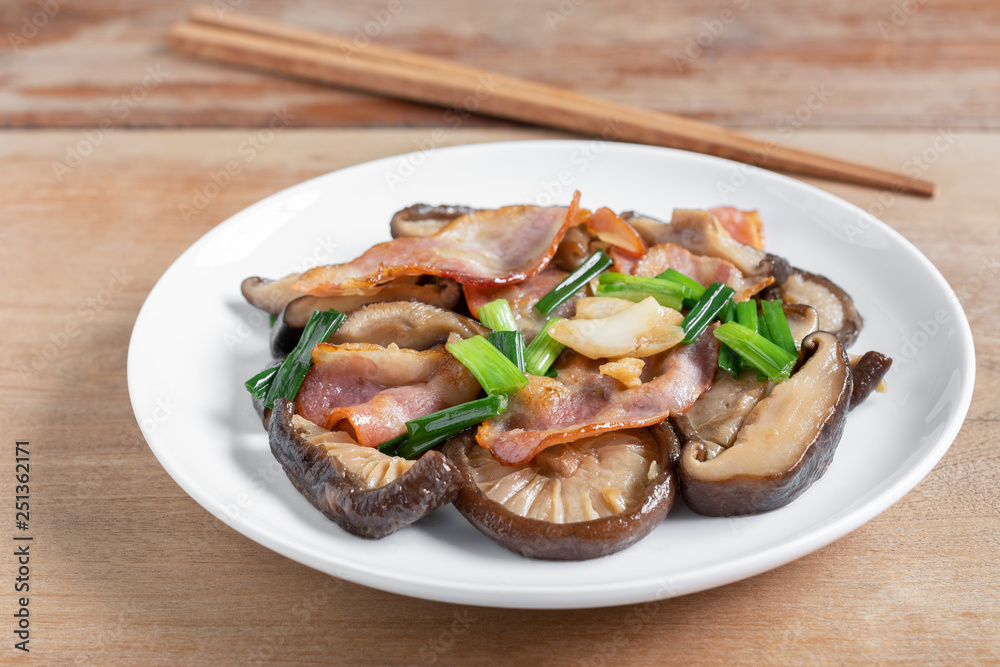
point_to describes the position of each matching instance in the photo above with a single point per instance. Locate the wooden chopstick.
(246, 40)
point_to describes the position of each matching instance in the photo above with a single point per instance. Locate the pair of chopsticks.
(259, 43)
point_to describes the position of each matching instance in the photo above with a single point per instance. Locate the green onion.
(293, 369)
(729, 360)
(644, 284)
(759, 352)
(621, 291)
(274, 318)
(762, 330)
(390, 447)
(498, 316)
(260, 383)
(573, 282)
(541, 353)
(705, 310)
(777, 325)
(496, 373)
(697, 289)
(433, 429)
(746, 315)
(511, 344)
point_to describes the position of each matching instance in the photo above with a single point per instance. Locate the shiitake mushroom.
(784, 444)
(366, 492)
(867, 371)
(439, 295)
(424, 219)
(835, 307)
(574, 501)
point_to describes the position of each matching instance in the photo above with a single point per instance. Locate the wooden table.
(126, 568)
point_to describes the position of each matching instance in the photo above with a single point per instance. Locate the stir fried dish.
(557, 373)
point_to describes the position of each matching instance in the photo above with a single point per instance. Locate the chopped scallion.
(293, 369)
(431, 430)
(778, 330)
(496, 373)
(645, 284)
(498, 316)
(697, 289)
(746, 315)
(621, 291)
(759, 352)
(586, 272)
(259, 384)
(511, 344)
(390, 447)
(729, 360)
(541, 353)
(707, 308)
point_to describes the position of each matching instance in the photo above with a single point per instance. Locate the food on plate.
(559, 374)
(366, 492)
(784, 443)
(576, 501)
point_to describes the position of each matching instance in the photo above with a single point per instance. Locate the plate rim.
(588, 595)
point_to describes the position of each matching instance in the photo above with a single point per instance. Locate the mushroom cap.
(577, 501)
(440, 293)
(868, 371)
(424, 219)
(784, 445)
(270, 295)
(835, 307)
(364, 491)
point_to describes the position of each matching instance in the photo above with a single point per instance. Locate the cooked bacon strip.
(522, 298)
(702, 234)
(705, 270)
(372, 391)
(607, 226)
(744, 226)
(624, 262)
(484, 248)
(581, 402)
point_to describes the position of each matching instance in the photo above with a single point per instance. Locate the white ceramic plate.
(196, 340)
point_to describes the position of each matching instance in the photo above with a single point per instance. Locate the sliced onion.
(641, 329)
(593, 307)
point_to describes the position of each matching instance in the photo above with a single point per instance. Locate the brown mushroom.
(574, 501)
(802, 320)
(424, 219)
(868, 371)
(837, 313)
(784, 445)
(366, 492)
(436, 292)
(270, 295)
(701, 233)
(573, 249)
(719, 413)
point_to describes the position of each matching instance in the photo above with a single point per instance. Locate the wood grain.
(741, 63)
(130, 570)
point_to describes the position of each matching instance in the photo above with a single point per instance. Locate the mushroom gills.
(579, 500)
(368, 494)
(367, 465)
(579, 481)
(784, 445)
